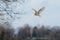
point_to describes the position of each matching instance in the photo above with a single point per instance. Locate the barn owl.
(37, 13)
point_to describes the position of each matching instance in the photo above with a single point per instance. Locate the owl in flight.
(37, 13)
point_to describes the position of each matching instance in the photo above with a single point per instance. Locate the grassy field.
(38, 39)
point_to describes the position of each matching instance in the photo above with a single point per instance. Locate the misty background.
(19, 12)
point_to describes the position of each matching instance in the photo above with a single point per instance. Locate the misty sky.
(50, 16)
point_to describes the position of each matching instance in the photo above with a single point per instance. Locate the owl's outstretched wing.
(41, 9)
(34, 10)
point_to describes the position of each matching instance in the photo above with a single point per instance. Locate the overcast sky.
(50, 16)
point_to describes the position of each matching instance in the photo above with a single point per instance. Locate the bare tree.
(6, 11)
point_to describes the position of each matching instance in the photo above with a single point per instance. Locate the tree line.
(27, 32)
